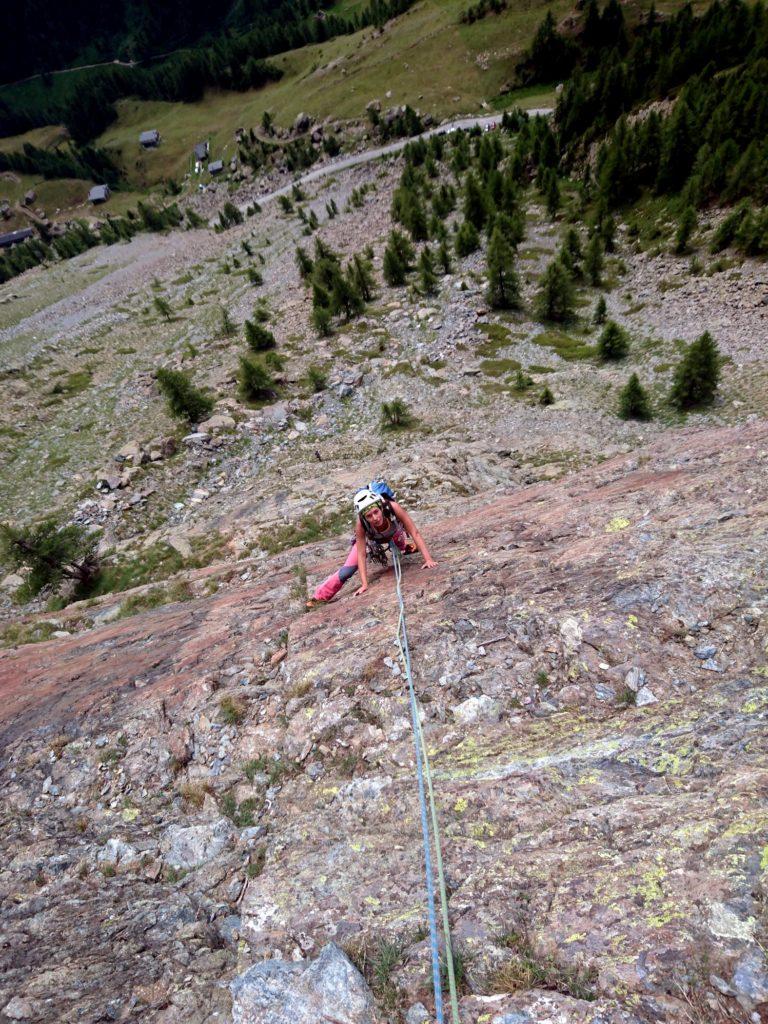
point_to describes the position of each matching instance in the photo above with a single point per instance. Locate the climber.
(380, 519)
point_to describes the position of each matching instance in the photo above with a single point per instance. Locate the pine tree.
(395, 415)
(163, 307)
(345, 297)
(415, 218)
(633, 401)
(259, 338)
(613, 343)
(228, 326)
(552, 195)
(593, 261)
(512, 227)
(184, 399)
(398, 259)
(444, 257)
(685, 230)
(697, 375)
(467, 239)
(392, 268)
(321, 321)
(361, 272)
(556, 296)
(256, 383)
(427, 275)
(572, 247)
(546, 397)
(51, 553)
(475, 204)
(522, 381)
(601, 311)
(679, 145)
(503, 283)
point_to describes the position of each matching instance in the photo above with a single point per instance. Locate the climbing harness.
(427, 796)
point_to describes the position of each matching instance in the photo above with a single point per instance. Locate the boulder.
(217, 424)
(279, 992)
(477, 709)
(133, 453)
(11, 582)
(168, 446)
(19, 1009)
(197, 844)
(635, 679)
(108, 481)
(302, 123)
(115, 851)
(418, 1014)
(179, 542)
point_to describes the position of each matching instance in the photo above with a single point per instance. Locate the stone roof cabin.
(216, 167)
(99, 194)
(14, 237)
(149, 139)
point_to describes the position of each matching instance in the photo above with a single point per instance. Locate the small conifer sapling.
(613, 343)
(697, 375)
(633, 401)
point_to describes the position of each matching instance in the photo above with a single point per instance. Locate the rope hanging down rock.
(431, 838)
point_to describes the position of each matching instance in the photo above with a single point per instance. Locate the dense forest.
(229, 52)
(710, 144)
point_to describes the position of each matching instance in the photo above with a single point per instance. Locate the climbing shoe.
(314, 602)
(410, 548)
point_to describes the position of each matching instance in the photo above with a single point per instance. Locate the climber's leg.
(330, 587)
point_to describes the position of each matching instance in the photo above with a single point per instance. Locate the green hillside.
(426, 57)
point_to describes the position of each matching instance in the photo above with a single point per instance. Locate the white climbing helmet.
(365, 499)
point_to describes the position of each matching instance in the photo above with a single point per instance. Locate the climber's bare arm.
(412, 530)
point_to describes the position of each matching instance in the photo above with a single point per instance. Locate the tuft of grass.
(498, 337)
(154, 598)
(72, 384)
(299, 585)
(626, 698)
(317, 379)
(20, 633)
(175, 874)
(257, 862)
(529, 969)
(254, 766)
(315, 525)
(242, 814)
(376, 963)
(499, 367)
(124, 572)
(194, 793)
(232, 710)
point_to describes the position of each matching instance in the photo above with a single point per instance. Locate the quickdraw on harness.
(429, 823)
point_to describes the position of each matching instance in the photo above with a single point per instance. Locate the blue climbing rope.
(424, 778)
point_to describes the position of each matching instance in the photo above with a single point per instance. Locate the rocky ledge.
(209, 811)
